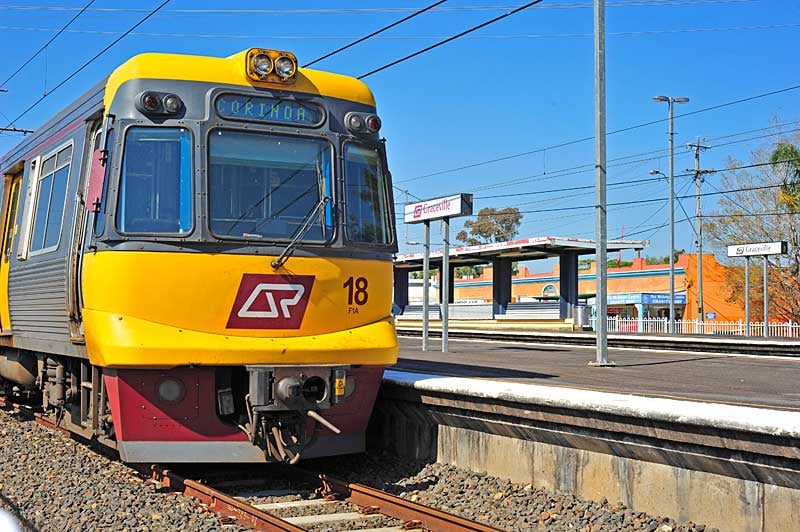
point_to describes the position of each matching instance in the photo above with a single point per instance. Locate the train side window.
(366, 210)
(155, 189)
(51, 195)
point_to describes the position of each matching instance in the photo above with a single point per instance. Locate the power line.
(374, 33)
(378, 10)
(586, 139)
(53, 38)
(297, 37)
(90, 61)
(589, 167)
(449, 39)
(654, 200)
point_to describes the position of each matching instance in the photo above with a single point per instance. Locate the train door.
(10, 206)
(92, 174)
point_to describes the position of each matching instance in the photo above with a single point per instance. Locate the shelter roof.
(516, 250)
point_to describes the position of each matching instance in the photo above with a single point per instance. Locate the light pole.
(670, 101)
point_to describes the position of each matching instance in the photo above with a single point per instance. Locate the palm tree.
(786, 163)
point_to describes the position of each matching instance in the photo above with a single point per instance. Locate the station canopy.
(515, 250)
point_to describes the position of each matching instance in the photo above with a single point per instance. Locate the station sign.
(759, 249)
(438, 208)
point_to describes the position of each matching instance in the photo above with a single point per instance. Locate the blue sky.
(519, 85)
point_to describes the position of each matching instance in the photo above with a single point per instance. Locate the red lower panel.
(140, 415)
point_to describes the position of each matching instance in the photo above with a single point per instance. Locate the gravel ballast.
(493, 501)
(49, 482)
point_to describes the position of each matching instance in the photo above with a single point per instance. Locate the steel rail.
(221, 503)
(410, 512)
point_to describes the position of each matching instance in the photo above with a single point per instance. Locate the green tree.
(785, 161)
(765, 208)
(491, 225)
(665, 259)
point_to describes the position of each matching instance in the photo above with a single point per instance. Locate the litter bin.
(581, 313)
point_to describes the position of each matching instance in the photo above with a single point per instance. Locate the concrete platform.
(709, 438)
(746, 380)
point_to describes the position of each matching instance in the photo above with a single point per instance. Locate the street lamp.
(670, 101)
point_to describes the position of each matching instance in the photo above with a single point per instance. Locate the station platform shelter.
(501, 256)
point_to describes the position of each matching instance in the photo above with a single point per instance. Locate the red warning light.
(373, 123)
(151, 102)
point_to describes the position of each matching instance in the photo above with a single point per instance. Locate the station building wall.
(639, 277)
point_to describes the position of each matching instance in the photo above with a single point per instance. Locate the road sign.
(757, 250)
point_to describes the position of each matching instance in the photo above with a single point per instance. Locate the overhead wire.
(45, 45)
(653, 200)
(374, 33)
(616, 131)
(449, 39)
(90, 61)
(294, 37)
(378, 10)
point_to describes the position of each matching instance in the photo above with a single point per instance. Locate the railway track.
(269, 497)
(788, 347)
(306, 501)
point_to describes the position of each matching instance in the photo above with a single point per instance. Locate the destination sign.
(263, 109)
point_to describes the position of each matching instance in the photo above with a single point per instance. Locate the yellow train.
(197, 261)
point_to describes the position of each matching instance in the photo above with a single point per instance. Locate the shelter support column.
(501, 285)
(451, 283)
(401, 287)
(639, 317)
(568, 284)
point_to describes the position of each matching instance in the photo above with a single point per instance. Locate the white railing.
(788, 329)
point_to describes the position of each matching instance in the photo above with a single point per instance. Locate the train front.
(238, 284)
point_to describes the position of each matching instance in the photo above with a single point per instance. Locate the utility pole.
(601, 316)
(698, 180)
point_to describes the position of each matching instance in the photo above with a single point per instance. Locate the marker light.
(151, 102)
(373, 123)
(172, 104)
(262, 64)
(171, 390)
(285, 67)
(355, 123)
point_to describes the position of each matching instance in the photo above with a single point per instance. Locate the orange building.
(646, 284)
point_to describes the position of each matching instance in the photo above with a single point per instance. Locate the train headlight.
(285, 67)
(262, 64)
(272, 66)
(171, 390)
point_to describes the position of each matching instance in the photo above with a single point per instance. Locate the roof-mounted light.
(262, 64)
(270, 65)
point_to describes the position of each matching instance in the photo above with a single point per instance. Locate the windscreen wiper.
(301, 232)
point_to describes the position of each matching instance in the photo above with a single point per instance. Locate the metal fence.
(725, 328)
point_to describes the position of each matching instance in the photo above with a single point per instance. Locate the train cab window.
(265, 186)
(366, 211)
(51, 194)
(155, 189)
